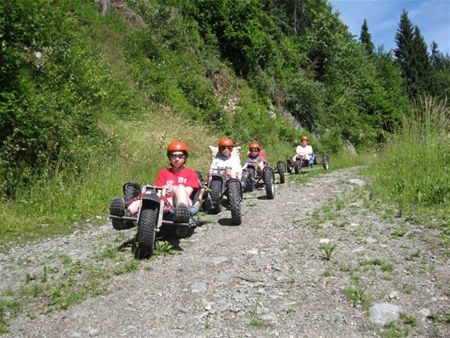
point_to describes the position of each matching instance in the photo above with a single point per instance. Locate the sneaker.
(181, 213)
(117, 207)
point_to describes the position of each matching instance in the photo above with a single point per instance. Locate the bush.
(305, 100)
(48, 109)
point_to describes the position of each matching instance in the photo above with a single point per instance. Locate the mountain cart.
(152, 215)
(227, 192)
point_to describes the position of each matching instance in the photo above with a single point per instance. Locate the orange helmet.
(226, 142)
(304, 137)
(254, 145)
(177, 146)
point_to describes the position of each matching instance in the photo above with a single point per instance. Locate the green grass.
(357, 296)
(408, 319)
(408, 288)
(346, 159)
(442, 317)
(414, 168)
(393, 330)
(164, 248)
(257, 322)
(58, 288)
(328, 273)
(161, 99)
(384, 266)
(327, 249)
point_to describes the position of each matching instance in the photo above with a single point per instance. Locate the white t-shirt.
(231, 163)
(304, 152)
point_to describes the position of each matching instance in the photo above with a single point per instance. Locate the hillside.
(90, 101)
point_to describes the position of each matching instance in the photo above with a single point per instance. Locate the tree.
(420, 62)
(404, 51)
(300, 14)
(439, 73)
(412, 55)
(389, 75)
(436, 57)
(366, 39)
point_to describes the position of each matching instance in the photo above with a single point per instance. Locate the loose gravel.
(317, 261)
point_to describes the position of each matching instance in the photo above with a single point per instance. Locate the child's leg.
(133, 208)
(181, 195)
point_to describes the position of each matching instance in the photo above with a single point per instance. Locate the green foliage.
(89, 101)
(421, 62)
(246, 33)
(48, 108)
(412, 55)
(357, 296)
(404, 39)
(328, 249)
(439, 73)
(390, 78)
(414, 165)
(366, 39)
(306, 99)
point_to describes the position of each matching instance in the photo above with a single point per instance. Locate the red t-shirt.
(185, 176)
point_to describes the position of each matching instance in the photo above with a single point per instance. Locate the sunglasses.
(223, 148)
(174, 156)
(254, 150)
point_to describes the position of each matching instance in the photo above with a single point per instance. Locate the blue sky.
(383, 18)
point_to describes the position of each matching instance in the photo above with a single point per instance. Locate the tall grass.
(63, 203)
(139, 125)
(414, 166)
(345, 159)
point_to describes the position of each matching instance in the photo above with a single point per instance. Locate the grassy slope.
(141, 133)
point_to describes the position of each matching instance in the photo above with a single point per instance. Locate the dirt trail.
(267, 277)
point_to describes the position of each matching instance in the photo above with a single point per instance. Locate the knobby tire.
(216, 196)
(145, 237)
(269, 184)
(234, 200)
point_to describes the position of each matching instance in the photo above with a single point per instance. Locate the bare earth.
(267, 277)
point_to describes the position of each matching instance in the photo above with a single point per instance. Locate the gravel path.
(268, 277)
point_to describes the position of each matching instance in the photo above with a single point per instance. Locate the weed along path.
(321, 259)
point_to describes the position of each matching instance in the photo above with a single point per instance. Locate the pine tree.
(439, 84)
(404, 51)
(421, 62)
(366, 39)
(436, 57)
(412, 56)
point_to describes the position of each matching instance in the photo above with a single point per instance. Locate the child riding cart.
(224, 180)
(173, 199)
(257, 172)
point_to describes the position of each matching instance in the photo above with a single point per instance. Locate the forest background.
(89, 100)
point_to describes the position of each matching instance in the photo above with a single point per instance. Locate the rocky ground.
(323, 259)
